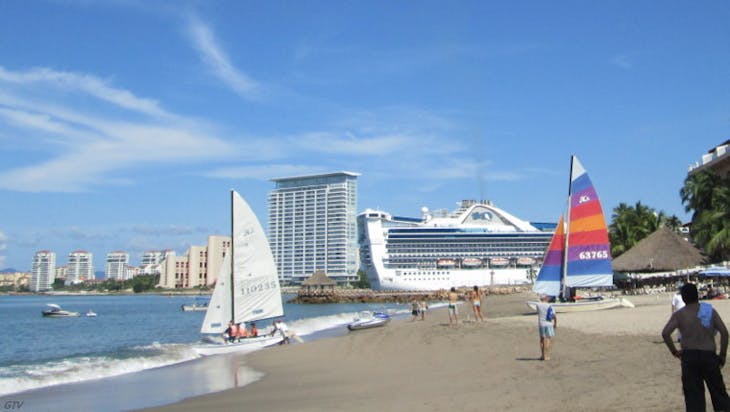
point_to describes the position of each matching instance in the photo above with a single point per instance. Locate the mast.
(233, 234)
(564, 276)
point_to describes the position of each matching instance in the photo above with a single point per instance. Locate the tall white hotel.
(116, 265)
(43, 273)
(80, 267)
(313, 226)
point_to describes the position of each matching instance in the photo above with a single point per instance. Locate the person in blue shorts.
(546, 323)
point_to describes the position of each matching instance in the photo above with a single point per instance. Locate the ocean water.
(131, 333)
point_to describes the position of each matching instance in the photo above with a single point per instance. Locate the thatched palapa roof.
(663, 250)
(319, 279)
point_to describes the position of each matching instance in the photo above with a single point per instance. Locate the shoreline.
(602, 361)
(419, 365)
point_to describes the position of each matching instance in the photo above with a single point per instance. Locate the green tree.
(363, 282)
(707, 195)
(630, 224)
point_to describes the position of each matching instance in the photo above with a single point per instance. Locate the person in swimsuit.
(453, 313)
(476, 304)
(415, 309)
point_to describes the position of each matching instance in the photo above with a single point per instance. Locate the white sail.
(218, 313)
(256, 292)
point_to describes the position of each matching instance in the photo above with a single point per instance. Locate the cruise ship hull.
(478, 245)
(391, 279)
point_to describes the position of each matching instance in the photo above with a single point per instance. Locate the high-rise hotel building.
(116, 265)
(80, 267)
(313, 226)
(199, 266)
(43, 272)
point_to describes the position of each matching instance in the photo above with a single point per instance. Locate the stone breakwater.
(371, 296)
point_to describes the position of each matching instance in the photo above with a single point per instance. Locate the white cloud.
(218, 61)
(86, 148)
(266, 172)
(87, 84)
(348, 143)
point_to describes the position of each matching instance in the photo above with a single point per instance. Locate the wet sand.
(602, 361)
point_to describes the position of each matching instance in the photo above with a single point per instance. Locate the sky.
(124, 123)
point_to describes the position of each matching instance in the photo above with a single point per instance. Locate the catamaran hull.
(426, 280)
(586, 306)
(246, 345)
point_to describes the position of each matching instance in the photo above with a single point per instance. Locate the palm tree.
(630, 224)
(697, 193)
(708, 196)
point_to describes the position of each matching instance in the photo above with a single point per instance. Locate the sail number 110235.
(258, 287)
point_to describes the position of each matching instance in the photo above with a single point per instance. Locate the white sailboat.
(247, 289)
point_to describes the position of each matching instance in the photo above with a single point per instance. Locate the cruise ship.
(476, 245)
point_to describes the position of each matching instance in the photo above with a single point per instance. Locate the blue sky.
(124, 123)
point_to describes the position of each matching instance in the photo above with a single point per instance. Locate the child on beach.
(546, 324)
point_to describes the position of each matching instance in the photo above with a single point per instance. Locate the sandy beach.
(612, 360)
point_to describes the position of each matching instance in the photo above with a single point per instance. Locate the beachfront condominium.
(80, 267)
(116, 265)
(150, 263)
(198, 267)
(43, 273)
(313, 226)
(716, 159)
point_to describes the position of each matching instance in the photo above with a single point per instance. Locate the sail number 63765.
(593, 254)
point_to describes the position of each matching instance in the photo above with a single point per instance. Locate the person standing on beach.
(453, 312)
(701, 365)
(547, 321)
(677, 302)
(423, 308)
(415, 310)
(476, 304)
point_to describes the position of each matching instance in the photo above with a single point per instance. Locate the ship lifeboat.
(471, 262)
(446, 263)
(526, 261)
(499, 262)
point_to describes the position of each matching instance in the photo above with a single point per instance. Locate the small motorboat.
(200, 305)
(56, 311)
(90, 314)
(367, 319)
(195, 307)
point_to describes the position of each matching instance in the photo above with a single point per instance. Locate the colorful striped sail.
(551, 273)
(580, 256)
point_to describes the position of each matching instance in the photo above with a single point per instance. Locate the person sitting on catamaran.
(232, 332)
(242, 332)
